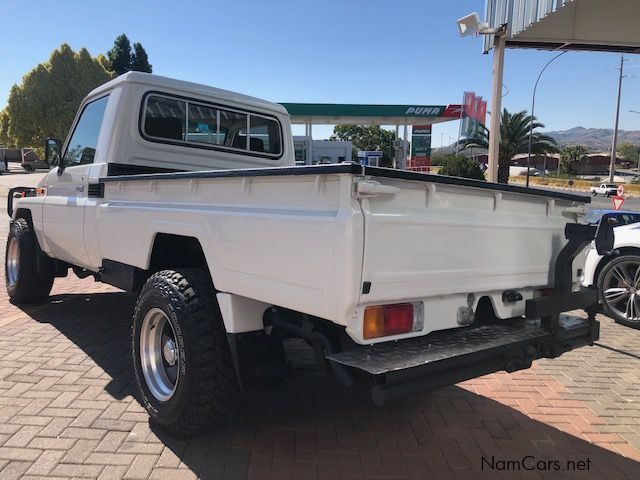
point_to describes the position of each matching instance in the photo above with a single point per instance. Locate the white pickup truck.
(606, 189)
(190, 197)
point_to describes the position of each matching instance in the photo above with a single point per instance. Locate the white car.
(617, 276)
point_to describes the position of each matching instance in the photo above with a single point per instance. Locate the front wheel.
(181, 356)
(28, 272)
(619, 288)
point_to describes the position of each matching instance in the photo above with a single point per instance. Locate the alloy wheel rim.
(159, 355)
(621, 289)
(13, 261)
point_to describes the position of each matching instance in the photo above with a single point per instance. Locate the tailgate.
(425, 238)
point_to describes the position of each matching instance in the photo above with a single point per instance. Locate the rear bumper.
(563, 302)
(446, 357)
(450, 356)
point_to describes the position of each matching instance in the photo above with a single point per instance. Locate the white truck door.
(63, 209)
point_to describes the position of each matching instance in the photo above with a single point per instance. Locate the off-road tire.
(206, 390)
(35, 270)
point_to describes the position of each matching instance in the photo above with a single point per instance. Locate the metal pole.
(310, 143)
(403, 161)
(533, 106)
(614, 143)
(496, 105)
(638, 150)
(396, 151)
(460, 126)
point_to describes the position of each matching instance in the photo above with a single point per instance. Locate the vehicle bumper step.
(446, 357)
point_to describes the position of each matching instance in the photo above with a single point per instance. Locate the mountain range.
(596, 139)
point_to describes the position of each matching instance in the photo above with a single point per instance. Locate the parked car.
(189, 196)
(606, 189)
(616, 218)
(31, 162)
(617, 276)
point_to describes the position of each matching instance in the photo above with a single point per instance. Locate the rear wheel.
(181, 355)
(29, 273)
(619, 287)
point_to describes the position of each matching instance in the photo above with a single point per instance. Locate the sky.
(329, 51)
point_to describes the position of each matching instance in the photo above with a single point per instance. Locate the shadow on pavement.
(311, 427)
(616, 350)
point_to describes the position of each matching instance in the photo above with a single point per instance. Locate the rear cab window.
(199, 124)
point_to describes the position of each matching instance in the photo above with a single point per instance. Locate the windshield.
(592, 217)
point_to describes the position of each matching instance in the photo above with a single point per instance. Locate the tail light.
(387, 320)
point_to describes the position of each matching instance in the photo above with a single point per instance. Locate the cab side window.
(82, 145)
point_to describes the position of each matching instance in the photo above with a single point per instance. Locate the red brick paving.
(68, 409)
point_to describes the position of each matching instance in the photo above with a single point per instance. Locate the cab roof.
(188, 88)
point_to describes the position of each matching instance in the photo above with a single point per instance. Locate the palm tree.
(514, 139)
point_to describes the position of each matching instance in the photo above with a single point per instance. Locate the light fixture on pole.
(470, 25)
(533, 106)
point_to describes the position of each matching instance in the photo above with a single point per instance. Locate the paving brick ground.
(68, 409)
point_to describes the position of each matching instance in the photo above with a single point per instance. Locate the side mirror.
(52, 152)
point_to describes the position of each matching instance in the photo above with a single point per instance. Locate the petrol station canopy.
(592, 25)
(360, 114)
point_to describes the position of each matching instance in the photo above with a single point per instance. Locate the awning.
(593, 25)
(362, 114)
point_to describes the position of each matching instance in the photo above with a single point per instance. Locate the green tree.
(514, 139)
(629, 152)
(120, 59)
(367, 137)
(5, 138)
(139, 59)
(438, 158)
(571, 157)
(120, 55)
(45, 103)
(456, 165)
(104, 61)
